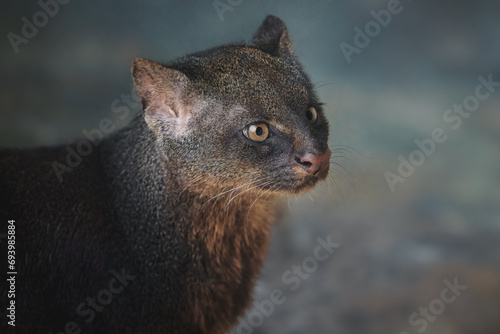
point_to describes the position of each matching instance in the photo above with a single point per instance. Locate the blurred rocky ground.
(393, 259)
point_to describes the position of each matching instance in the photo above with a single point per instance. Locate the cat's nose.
(314, 163)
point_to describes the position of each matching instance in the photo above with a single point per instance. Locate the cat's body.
(164, 227)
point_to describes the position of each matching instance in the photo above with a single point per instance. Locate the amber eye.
(312, 115)
(257, 132)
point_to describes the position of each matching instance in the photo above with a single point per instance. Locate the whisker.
(235, 188)
(290, 208)
(332, 168)
(340, 148)
(346, 147)
(196, 179)
(336, 163)
(339, 156)
(328, 183)
(316, 86)
(337, 185)
(270, 190)
(258, 185)
(241, 192)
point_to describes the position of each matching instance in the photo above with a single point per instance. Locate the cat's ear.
(272, 37)
(165, 96)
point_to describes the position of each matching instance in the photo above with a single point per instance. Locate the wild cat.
(164, 227)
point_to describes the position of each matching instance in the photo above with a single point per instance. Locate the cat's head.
(239, 115)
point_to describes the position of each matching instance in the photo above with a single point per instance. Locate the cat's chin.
(302, 186)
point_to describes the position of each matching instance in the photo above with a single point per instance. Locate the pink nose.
(314, 163)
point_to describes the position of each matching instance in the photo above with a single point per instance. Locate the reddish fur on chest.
(230, 243)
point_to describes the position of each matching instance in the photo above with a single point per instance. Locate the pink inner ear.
(161, 108)
(171, 112)
(164, 94)
(168, 113)
(161, 98)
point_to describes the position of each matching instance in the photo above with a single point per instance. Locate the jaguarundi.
(164, 227)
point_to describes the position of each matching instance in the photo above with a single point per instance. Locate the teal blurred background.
(399, 246)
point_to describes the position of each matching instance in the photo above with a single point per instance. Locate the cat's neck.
(229, 218)
(229, 236)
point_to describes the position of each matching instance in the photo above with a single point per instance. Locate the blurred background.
(403, 237)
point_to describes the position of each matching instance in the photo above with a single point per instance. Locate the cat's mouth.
(303, 173)
(306, 183)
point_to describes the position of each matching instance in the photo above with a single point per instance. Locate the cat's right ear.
(272, 37)
(165, 96)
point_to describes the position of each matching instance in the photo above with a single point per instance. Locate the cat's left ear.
(272, 37)
(165, 95)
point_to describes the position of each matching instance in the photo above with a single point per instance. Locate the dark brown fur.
(180, 199)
